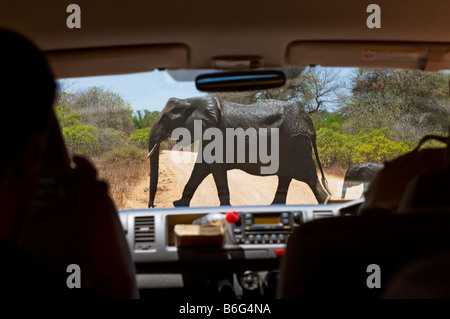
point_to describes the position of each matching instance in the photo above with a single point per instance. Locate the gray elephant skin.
(296, 135)
(361, 173)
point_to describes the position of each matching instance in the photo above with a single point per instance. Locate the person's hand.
(98, 240)
(85, 229)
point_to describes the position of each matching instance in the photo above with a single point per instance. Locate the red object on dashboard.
(280, 252)
(232, 217)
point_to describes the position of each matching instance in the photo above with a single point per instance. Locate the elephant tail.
(324, 180)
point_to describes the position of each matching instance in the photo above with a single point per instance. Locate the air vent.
(144, 232)
(322, 214)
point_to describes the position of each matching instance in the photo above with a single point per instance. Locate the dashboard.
(244, 266)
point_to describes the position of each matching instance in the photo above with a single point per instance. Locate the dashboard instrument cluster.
(245, 265)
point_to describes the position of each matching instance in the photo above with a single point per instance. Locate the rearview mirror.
(240, 81)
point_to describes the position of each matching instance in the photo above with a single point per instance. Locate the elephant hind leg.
(306, 172)
(282, 190)
(321, 195)
(219, 172)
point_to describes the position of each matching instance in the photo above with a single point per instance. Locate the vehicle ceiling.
(193, 34)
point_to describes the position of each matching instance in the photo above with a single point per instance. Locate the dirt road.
(245, 189)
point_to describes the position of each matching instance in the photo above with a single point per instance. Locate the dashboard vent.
(322, 214)
(144, 232)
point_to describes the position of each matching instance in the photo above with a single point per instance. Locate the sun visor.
(422, 56)
(117, 60)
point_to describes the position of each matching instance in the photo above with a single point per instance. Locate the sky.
(147, 90)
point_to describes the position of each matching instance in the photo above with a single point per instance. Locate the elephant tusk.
(152, 150)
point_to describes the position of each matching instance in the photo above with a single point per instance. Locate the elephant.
(289, 122)
(361, 173)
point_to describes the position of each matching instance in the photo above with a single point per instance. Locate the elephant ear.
(207, 109)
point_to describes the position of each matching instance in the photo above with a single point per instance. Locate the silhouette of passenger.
(48, 222)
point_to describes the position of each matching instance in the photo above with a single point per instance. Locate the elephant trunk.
(154, 170)
(157, 135)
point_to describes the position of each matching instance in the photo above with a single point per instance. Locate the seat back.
(423, 278)
(330, 257)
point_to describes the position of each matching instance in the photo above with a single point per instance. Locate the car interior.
(272, 251)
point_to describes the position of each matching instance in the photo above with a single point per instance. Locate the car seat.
(424, 278)
(330, 257)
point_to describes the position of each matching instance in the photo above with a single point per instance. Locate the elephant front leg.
(219, 172)
(198, 174)
(282, 190)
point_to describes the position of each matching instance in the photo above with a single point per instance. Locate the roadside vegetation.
(373, 115)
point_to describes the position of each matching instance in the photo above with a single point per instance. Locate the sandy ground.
(245, 189)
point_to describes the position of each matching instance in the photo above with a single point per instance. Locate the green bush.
(333, 122)
(337, 148)
(379, 150)
(125, 155)
(145, 118)
(80, 139)
(139, 137)
(66, 116)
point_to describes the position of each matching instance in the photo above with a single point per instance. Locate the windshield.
(357, 118)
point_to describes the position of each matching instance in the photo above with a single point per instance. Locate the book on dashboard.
(193, 235)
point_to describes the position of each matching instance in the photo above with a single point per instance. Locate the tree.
(103, 109)
(144, 120)
(62, 95)
(323, 89)
(411, 103)
(314, 89)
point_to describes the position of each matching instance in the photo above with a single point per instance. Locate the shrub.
(333, 122)
(80, 139)
(66, 116)
(337, 148)
(378, 150)
(144, 120)
(126, 155)
(139, 137)
(109, 138)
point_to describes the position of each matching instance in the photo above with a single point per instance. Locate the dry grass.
(121, 178)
